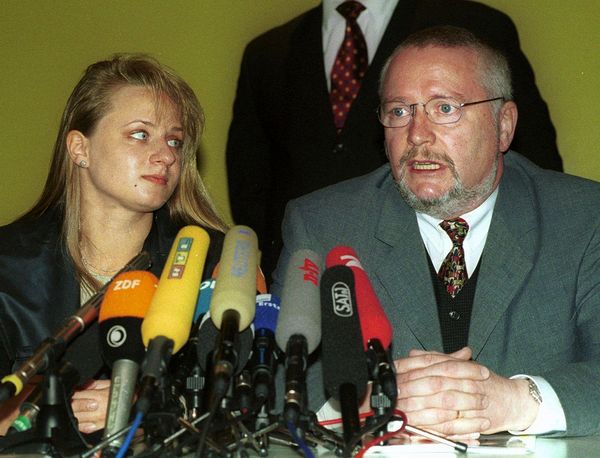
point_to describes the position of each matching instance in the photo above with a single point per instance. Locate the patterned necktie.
(453, 271)
(350, 64)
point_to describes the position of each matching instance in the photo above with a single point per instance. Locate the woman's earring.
(82, 163)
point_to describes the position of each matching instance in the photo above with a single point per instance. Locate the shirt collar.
(375, 8)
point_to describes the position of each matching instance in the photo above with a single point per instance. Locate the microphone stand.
(55, 432)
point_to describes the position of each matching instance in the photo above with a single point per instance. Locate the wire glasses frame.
(439, 110)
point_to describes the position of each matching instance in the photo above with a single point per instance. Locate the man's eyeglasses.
(440, 110)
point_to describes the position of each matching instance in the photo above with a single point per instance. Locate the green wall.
(45, 45)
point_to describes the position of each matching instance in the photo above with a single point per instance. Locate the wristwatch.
(534, 392)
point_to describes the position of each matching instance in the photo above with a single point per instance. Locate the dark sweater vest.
(454, 313)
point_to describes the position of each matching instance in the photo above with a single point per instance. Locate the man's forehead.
(441, 70)
(455, 56)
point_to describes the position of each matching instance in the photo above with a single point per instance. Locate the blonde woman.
(123, 179)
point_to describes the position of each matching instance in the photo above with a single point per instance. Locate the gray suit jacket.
(537, 305)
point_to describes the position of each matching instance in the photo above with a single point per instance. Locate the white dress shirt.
(551, 416)
(372, 21)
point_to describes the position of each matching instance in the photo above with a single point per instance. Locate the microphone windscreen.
(208, 335)
(300, 304)
(261, 281)
(123, 307)
(342, 355)
(374, 322)
(125, 304)
(172, 307)
(207, 287)
(236, 282)
(267, 311)
(128, 295)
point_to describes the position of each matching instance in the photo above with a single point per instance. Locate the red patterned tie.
(453, 271)
(350, 64)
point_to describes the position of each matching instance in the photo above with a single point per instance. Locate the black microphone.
(207, 341)
(264, 356)
(125, 305)
(54, 346)
(298, 329)
(345, 374)
(375, 327)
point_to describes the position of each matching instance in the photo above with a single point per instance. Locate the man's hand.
(454, 396)
(90, 405)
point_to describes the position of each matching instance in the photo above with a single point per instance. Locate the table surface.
(573, 447)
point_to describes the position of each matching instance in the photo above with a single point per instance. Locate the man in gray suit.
(487, 266)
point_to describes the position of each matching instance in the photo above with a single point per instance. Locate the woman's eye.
(174, 143)
(140, 135)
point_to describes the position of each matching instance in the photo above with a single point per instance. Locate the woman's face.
(134, 153)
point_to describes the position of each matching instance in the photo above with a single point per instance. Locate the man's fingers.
(447, 368)
(447, 400)
(464, 353)
(430, 363)
(433, 416)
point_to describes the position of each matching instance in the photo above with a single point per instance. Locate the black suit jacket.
(282, 139)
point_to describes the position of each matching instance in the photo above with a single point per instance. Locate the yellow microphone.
(172, 308)
(235, 288)
(233, 303)
(166, 327)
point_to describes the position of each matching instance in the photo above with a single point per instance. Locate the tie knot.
(456, 229)
(350, 9)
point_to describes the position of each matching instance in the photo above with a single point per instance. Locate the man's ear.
(78, 148)
(507, 123)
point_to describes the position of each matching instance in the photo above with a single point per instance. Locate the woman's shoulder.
(29, 233)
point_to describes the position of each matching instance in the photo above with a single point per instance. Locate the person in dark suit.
(487, 266)
(282, 140)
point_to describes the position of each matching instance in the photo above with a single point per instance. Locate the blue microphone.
(207, 288)
(264, 355)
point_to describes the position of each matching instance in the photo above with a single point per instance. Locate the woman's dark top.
(39, 290)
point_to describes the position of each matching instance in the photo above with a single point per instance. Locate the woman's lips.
(157, 179)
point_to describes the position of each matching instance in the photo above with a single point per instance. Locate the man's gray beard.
(456, 200)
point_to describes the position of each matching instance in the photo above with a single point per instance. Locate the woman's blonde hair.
(87, 104)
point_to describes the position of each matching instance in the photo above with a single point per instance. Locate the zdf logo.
(126, 284)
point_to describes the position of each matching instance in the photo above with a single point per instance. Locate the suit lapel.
(397, 30)
(307, 90)
(404, 273)
(507, 258)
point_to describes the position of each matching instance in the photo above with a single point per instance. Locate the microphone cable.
(127, 442)
(204, 433)
(301, 443)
